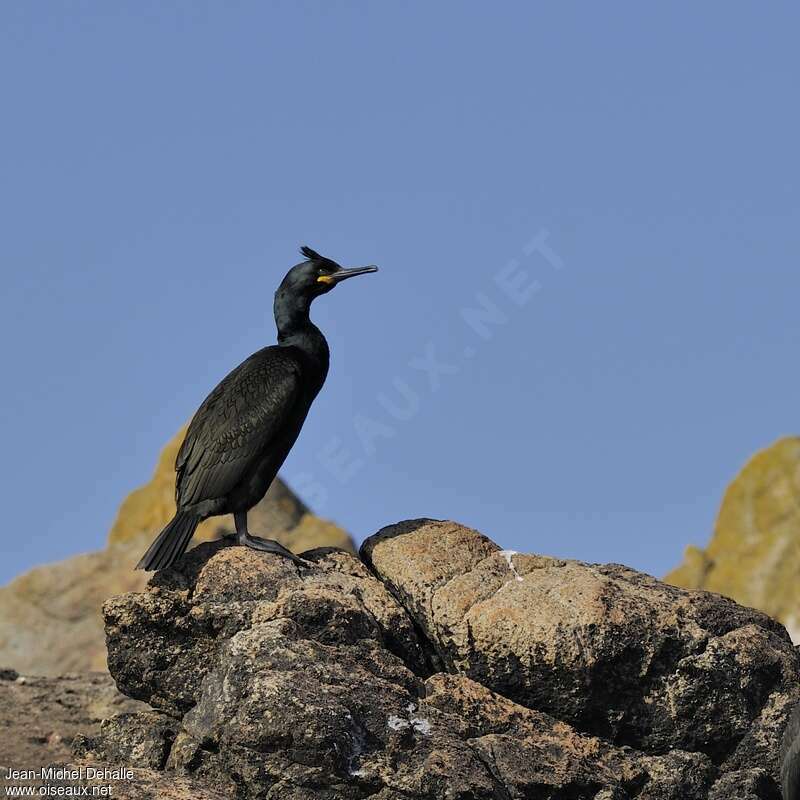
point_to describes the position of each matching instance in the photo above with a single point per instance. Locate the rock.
(747, 784)
(790, 757)
(40, 717)
(447, 669)
(532, 753)
(143, 738)
(218, 590)
(141, 784)
(50, 619)
(752, 556)
(613, 652)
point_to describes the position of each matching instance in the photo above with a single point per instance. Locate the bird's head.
(317, 275)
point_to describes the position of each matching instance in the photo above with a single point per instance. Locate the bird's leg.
(257, 543)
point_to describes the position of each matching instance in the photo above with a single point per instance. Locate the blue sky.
(616, 186)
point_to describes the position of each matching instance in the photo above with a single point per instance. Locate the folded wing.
(234, 427)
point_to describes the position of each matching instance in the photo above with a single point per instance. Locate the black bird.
(243, 431)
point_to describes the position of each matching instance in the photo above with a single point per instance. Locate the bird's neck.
(295, 327)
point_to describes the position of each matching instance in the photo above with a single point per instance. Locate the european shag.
(243, 431)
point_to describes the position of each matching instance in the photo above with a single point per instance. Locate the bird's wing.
(234, 426)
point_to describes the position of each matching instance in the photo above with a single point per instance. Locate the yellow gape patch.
(325, 279)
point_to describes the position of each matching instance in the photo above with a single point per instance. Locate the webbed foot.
(269, 546)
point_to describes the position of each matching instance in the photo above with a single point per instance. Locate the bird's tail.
(170, 543)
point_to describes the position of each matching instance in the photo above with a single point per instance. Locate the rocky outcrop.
(45, 721)
(443, 667)
(753, 555)
(40, 717)
(50, 620)
(611, 651)
(136, 784)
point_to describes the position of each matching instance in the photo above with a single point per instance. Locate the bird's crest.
(311, 255)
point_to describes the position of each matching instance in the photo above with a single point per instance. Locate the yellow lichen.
(754, 553)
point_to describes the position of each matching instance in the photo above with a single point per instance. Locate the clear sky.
(587, 218)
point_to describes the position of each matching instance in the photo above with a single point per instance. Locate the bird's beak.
(344, 274)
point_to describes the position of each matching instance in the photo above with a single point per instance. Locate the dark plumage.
(243, 431)
(790, 757)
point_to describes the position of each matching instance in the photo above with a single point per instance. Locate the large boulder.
(613, 652)
(50, 620)
(218, 593)
(444, 667)
(753, 556)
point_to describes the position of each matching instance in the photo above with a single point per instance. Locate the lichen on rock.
(754, 553)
